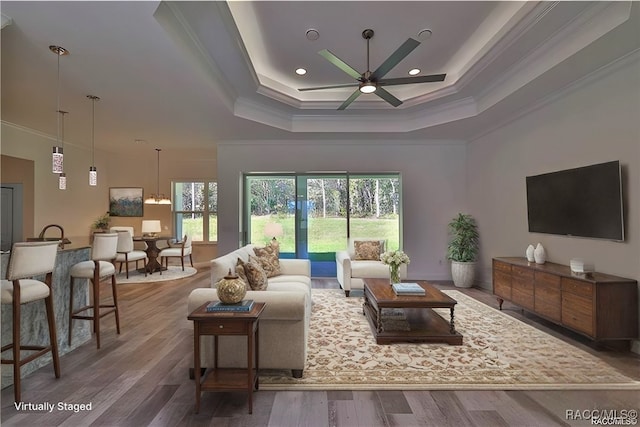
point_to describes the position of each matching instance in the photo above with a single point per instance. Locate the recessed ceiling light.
(424, 34)
(301, 71)
(312, 34)
(414, 71)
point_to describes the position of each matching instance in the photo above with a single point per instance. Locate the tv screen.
(584, 202)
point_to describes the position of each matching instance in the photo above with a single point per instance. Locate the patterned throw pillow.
(240, 272)
(367, 250)
(269, 258)
(256, 276)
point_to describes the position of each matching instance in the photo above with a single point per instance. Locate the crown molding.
(171, 18)
(574, 86)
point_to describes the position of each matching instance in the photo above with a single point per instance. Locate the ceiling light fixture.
(312, 34)
(57, 157)
(301, 71)
(93, 171)
(424, 34)
(157, 199)
(62, 177)
(368, 87)
(414, 71)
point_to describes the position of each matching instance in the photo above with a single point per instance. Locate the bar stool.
(28, 260)
(103, 253)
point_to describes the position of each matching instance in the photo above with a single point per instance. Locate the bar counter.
(34, 318)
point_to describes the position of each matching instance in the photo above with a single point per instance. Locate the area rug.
(498, 352)
(172, 273)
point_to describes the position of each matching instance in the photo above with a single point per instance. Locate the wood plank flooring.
(140, 378)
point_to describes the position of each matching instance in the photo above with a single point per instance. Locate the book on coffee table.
(407, 289)
(242, 306)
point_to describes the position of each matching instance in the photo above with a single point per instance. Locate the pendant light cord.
(58, 103)
(93, 130)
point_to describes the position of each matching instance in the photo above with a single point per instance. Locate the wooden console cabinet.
(599, 306)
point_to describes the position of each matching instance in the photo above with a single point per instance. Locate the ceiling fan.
(372, 82)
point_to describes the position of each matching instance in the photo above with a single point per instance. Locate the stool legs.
(16, 345)
(95, 306)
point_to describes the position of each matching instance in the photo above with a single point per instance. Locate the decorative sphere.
(231, 289)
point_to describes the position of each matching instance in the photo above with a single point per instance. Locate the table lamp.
(151, 227)
(273, 229)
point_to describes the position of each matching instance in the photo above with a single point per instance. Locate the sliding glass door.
(312, 215)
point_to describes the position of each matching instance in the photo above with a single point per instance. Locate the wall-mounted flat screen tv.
(583, 202)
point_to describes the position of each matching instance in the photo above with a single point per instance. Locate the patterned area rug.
(173, 273)
(498, 352)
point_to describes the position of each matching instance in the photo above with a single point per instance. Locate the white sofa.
(351, 271)
(284, 323)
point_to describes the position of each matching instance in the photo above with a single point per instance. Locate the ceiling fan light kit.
(371, 82)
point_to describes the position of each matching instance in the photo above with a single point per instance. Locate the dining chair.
(103, 254)
(179, 249)
(126, 251)
(27, 261)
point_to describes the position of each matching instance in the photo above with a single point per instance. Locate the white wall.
(433, 181)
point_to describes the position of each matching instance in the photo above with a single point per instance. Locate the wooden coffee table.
(425, 325)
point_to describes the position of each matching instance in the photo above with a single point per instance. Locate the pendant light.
(62, 177)
(93, 171)
(58, 155)
(157, 199)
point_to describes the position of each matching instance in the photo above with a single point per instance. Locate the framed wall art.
(126, 201)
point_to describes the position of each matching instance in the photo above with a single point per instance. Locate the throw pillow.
(256, 276)
(367, 250)
(241, 273)
(269, 258)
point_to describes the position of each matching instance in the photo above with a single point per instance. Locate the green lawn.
(327, 234)
(324, 234)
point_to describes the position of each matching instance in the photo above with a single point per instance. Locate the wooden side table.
(226, 323)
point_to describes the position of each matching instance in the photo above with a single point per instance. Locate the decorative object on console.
(158, 198)
(462, 250)
(394, 259)
(126, 201)
(581, 266)
(540, 255)
(58, 153)
(530, 253)
(231, 289)
(151, 227)
(93, 171)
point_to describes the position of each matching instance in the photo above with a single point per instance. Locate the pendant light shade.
(57, 159)
(62, 177)
(157, 198)
(93, 171)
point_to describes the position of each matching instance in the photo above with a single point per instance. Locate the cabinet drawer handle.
(220, 326)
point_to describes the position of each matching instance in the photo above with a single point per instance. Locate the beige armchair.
(351, 269)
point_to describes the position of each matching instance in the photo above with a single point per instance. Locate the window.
(195, 210)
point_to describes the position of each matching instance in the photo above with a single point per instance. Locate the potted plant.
(463, 250)
(102, 222)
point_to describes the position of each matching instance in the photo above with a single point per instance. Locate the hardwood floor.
(140, 378)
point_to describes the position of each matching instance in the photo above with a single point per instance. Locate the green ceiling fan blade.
(387, 97)
(397, 56)
(340, 63)
(411, 80)
(349, 100)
